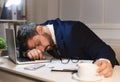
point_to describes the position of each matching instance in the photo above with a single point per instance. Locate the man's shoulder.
(58, 21)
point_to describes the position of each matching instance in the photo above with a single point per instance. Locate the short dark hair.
(25, 32)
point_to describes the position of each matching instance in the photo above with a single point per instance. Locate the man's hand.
(35, 54)
(105, 68)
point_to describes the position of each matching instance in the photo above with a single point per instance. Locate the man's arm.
(97, 48)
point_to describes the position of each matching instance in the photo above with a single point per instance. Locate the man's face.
(40, 41)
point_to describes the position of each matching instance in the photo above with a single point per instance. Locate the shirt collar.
(51, 28)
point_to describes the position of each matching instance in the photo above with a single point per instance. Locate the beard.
(49, 38)
(52, 48)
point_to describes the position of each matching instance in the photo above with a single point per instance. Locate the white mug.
(87, 70)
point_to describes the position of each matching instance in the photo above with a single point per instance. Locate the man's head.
(31, 36)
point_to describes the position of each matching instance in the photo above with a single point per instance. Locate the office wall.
(69, 9)
(41, 10)
(30, 10)
(87, 11)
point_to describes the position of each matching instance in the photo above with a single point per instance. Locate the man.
(70, 39)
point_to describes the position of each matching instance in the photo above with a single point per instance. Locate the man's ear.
(39, 29)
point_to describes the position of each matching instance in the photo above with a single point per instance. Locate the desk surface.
(45, 73)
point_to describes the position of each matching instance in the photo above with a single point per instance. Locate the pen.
(64, 70)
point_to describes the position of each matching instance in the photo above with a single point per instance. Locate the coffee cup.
(87, 70)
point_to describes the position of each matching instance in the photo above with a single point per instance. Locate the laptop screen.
(11, 44)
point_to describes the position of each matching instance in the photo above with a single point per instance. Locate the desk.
(10, 72)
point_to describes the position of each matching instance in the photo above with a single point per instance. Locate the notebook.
(13, 53)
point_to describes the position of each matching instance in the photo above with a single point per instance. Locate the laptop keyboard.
(24, 59)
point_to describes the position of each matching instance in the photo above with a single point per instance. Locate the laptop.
(13, 53)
